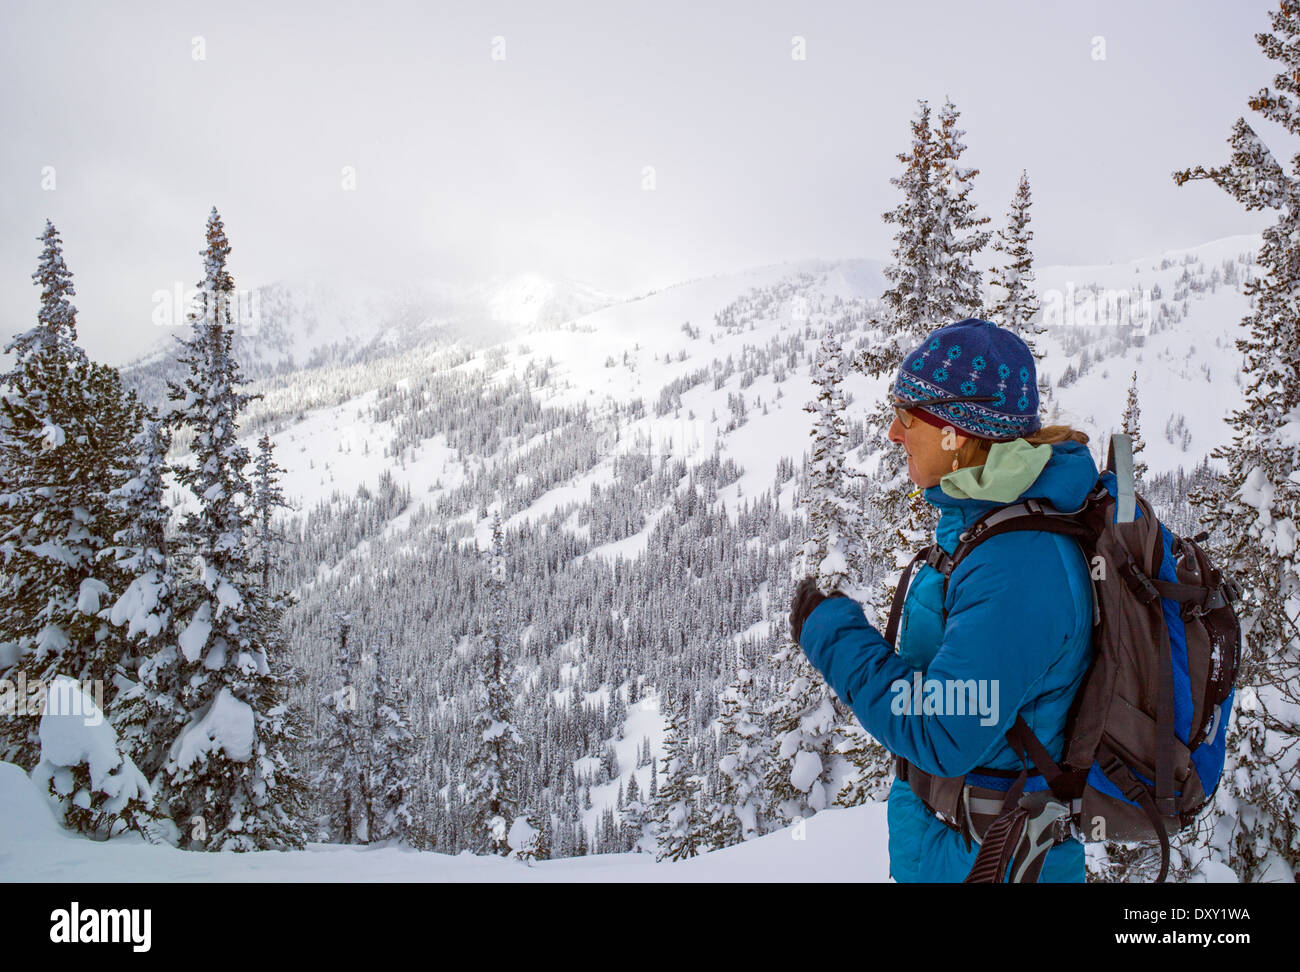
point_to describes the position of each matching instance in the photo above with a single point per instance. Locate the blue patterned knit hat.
(974, 357)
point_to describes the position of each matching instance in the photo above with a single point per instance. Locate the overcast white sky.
(468, 166)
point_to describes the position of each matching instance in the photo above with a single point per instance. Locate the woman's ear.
(950, 440)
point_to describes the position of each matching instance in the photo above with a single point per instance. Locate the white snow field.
(837, 845)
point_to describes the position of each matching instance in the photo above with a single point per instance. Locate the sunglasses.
(906, 418)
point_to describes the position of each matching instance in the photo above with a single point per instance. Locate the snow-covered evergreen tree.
(523, 839)
(341, 778)
(143, 714)
(93, 785)
(1253, 507)
(833, 549)
(805, 729)
(678, 824)
(545, 832)
(228, 773)
(65, 432)
(634, 816)
(492, 768)
(934, 283)
(958, 237)
(833, 553)
(392, 771)
(287, 731)
(739, 811)
(911, 303)
(267, 498)
(1133, 427)
(870, 767)
(1016, 305)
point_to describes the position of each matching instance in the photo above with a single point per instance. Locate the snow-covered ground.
(841, 844)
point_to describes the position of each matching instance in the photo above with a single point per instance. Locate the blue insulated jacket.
(1019, 623)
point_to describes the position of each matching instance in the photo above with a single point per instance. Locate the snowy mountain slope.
(334, 446)
(623, 353)
(649, 328)
(681, 339)
(532, 301)
(635, 349)
(1187, 366)
(301, 324)
(837, 845)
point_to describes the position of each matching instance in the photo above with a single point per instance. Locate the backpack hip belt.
(971, 808)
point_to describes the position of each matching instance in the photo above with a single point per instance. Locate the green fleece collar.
(1010, 468)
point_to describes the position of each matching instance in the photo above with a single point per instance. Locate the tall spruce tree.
(341, 780)
(1132, 427)
(228, 775)
(677, 821)
(739, 811)
(911, 303)
(144, 713)
(392, 763)
(934, 283)
(833, 549)
(65, 434)
(1016, 305)
(833, 553)
(493, 766)
(1253, 506)
(958, 235)
(285, 741)
(268, 497)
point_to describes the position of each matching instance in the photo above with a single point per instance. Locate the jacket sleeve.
(1001, 637)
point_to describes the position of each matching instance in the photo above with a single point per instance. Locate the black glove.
(807, 597)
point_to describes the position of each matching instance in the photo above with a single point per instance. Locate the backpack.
(1146, 733)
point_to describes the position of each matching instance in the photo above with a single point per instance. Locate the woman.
(1017, 616)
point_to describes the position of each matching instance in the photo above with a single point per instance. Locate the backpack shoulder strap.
(900, 592)
(1030, 514)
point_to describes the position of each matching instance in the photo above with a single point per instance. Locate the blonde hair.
(1047, 435)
